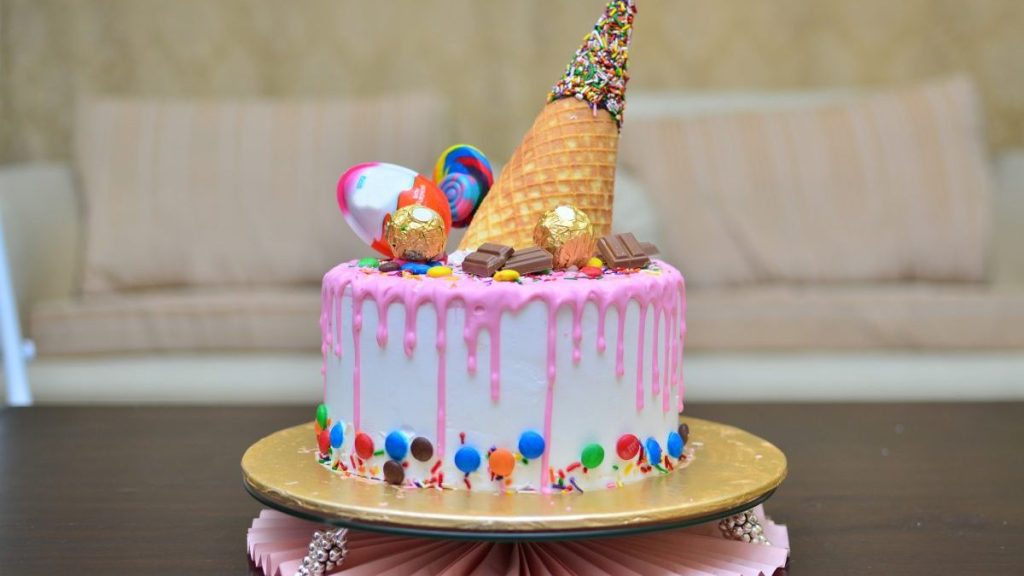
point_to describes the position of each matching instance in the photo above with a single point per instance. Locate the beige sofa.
(178, 258)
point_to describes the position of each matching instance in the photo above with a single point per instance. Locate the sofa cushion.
(935, 317)
(217, 193)
(886, 186)
(197, 319)
(855, 317)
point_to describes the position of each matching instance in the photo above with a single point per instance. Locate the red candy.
(324, 440)
(364, 445)
(592, 271)
(627, 447)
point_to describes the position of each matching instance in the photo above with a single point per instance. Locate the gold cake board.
(732, 471)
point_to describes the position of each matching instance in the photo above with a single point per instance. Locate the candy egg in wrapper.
(416, 233)
(369, 194)
(566, 232)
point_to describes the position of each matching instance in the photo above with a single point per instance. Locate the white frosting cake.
(557, 382)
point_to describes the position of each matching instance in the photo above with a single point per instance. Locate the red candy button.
(324, 440)
(627, 447)
(592, 271)
(364, 445)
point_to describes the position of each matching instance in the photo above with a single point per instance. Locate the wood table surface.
(900, 489)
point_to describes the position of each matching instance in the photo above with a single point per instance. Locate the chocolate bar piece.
(488, 259)
(650, 249)
(622, 251)
(530, 261)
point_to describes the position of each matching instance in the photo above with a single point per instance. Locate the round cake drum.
(731, 471)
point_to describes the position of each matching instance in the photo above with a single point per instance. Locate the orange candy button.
(502, 462)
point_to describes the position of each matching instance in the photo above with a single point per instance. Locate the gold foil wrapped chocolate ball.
(416, 233)
(567, 233)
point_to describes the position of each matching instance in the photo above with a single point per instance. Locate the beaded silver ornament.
(326, 553)
(743, 527)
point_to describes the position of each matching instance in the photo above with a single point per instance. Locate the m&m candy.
(674, 445)
(337, 435)
(467, 459)
(531, 444)
(627, 447)
(416, 268)
(324, 441)
(321, 415)
(396, 445)
(653, 451)
(364, 446)
(502, 462)
(592, 456)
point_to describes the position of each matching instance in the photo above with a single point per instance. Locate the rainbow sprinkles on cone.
(568, 156)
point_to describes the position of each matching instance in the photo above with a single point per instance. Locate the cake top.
(598, 72)
(451, 274)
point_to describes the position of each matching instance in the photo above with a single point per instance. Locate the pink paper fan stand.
(747, 544)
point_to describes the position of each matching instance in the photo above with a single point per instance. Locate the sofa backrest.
(219, 192)
(832, 187)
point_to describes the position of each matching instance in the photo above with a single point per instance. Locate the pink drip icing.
(495, 365)
(620, 367)
(357, 327)
(640, 359)
(442, 361)
(382, 322)
(337, 323)
(577, 331)
(409, 341)
(549, 397)
(666, 394)
(681, 387)
(486, 303)
(323, 330)
(602, 313)
(655, 369)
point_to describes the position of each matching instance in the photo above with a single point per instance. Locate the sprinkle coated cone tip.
(569, 154)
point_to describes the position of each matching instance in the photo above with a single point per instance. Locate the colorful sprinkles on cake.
(598, 71)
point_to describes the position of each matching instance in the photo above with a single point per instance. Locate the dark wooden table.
(873, 489)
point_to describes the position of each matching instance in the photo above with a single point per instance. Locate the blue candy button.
(415, 268)
(674, 444)
(531, 444)
(396, 445)
(467, 459)
(653, 451)
(337, 435)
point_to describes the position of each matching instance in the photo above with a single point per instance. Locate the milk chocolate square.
(530, 261)
(622, 251)
(487, 260)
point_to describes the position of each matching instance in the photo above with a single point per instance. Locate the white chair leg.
(16, 351)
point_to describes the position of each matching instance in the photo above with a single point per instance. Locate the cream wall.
(493, 60)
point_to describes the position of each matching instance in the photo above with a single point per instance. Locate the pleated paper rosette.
(276, 544)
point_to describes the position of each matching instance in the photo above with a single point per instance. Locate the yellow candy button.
(506, 276)
(439, 271)
(595, 262)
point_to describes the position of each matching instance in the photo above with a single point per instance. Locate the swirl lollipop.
(464, 174)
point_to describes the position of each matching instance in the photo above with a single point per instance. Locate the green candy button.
(593, 455)
(369, 263)
(321, 415)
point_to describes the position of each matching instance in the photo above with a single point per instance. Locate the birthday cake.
(546, 353)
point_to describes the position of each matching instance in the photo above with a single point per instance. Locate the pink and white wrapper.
(277, 542)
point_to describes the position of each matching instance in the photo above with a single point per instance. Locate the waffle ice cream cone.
(569, 154)
(567, 157)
